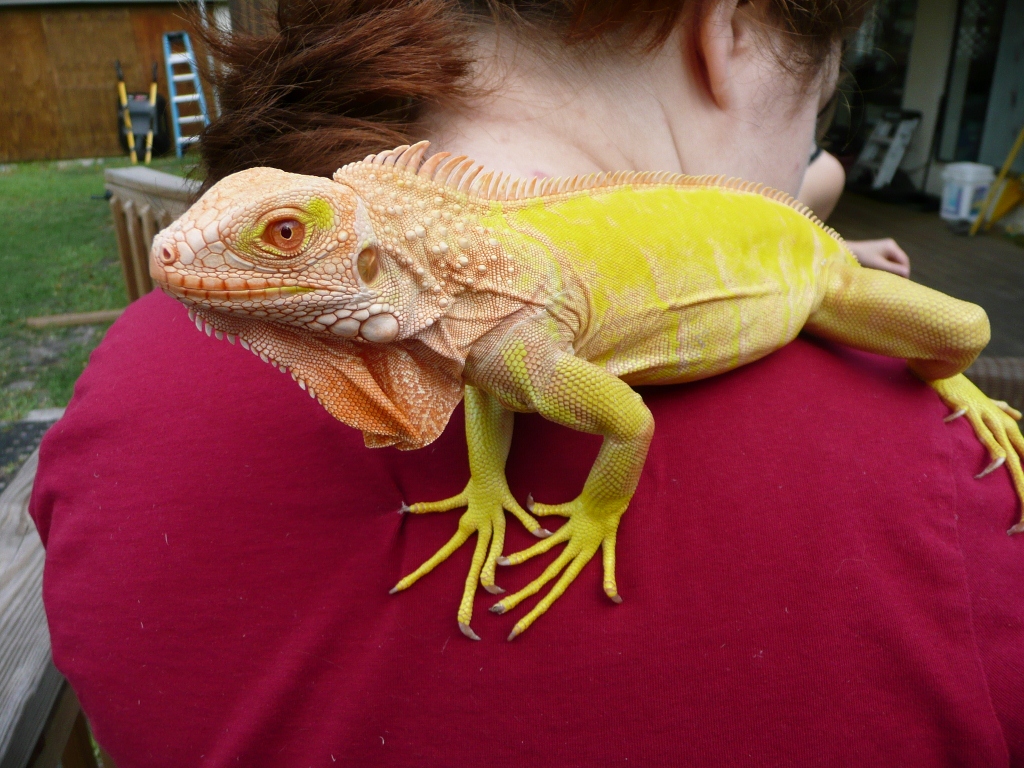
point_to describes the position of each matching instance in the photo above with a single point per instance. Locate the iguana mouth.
(235, 295)
(191, 286)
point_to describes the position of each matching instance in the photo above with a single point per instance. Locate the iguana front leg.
(938, 335)
(486, 497)
(529, 372)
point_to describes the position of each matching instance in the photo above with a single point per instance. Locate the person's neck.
(546, 118)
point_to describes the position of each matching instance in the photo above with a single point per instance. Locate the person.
(810, 573)
(820, 190)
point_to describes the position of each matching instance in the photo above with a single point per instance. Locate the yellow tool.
(983, 215)
(122, 94)
(152, 118)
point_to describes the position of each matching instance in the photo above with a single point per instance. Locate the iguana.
(402, 284)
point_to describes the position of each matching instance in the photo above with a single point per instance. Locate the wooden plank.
(82, 45)
(24, 641)
(140, 248)
(124, 248)
(136, 247)
(30, 126)
(150, 182)
(74, 318)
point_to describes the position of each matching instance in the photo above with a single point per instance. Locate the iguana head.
(348, 284)
(288, 249)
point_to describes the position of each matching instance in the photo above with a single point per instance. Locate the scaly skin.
(394, 288)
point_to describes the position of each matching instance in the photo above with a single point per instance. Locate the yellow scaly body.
(392, 290)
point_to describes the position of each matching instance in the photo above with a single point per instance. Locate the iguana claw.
(540, 533)
(995, 424)
(996, 464)
(592, 525)
(485, 501)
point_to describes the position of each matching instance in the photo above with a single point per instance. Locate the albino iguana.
(390, 291)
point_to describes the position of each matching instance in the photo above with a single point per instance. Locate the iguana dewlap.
(390, 291)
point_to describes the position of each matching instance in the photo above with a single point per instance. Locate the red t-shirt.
(811, 576)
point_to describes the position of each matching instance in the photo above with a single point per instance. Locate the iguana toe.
(995, 425)
(485, 501)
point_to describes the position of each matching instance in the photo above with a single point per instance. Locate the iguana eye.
(367, 265)
(285, 234)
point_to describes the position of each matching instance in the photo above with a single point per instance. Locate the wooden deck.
(986, 269)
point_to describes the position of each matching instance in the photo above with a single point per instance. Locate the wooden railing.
(144, 201)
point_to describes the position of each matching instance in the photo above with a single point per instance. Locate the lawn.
(57, 254)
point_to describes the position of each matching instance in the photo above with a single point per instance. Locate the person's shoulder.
(160, 399)
(795, 530)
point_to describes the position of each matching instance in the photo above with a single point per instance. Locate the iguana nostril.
(167, 256)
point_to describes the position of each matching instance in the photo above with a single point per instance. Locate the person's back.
(810, 574)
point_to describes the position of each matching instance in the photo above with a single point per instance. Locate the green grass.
(58, 254)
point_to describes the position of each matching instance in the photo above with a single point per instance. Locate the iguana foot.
(485, 516)
(995, 424)
(592, 524)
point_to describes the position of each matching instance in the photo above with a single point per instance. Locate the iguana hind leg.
(486, 497)
(937, 334)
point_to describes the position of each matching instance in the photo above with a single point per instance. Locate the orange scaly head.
(293, 267)
(289, 249)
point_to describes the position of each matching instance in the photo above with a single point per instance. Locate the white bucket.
(964, 186)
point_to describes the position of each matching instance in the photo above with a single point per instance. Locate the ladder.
(188, 105)
(884, 149)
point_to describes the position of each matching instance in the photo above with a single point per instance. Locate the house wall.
(1005, 115)
(58, 92)
(253, 16)
(934, 27)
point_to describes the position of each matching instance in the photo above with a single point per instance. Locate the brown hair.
(339, 79)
